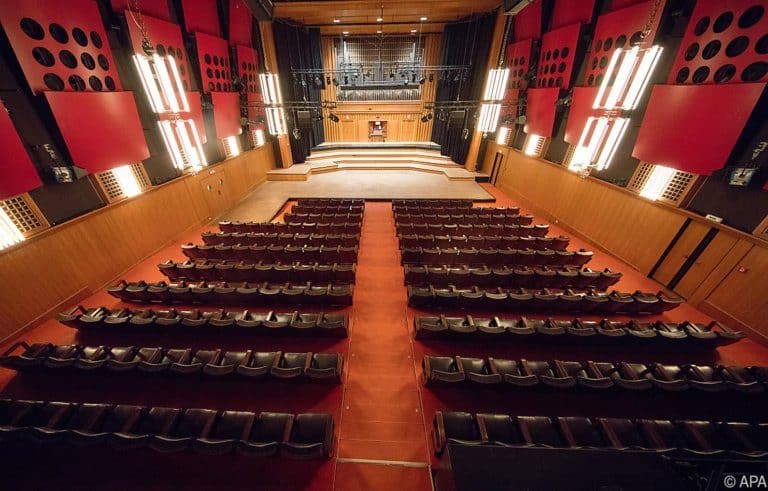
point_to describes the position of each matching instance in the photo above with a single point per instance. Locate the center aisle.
(382, 435)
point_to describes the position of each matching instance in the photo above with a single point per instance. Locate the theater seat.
(311, 436)
(454, 427)
(705, 378)
(259, 364)
(325, 366)
(441, 369)
(138, 428)
(499, 429)
(22, 355)
(623, 433)
(84, 426)
(268, 432)
(477, 370)
(539, 431)
(669, 377)
(291, 365)
(227, 363)
(582, 432)
(229, 429)
(192, 424)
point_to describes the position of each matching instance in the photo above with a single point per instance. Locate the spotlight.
(333, 117)
(392, 75)
(413, 31)
(335, 81)
(345, 32)
(318, 81)
(426, 117)
(422, 80)
(423, 18)
(327, 80)
(346, 80)
(379, 19)
(413, 77)
(379, 31)
(296, 133)
(431, 77)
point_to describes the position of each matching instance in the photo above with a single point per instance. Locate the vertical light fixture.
(628, 73)
(9, 234)
(657, 182)
(534, 145)
(273, 98)
(490, 108)
(502, 136)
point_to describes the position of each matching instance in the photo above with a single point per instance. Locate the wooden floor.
(382, 412)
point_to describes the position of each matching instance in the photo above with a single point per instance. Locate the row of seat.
(331, 202)
(272, 253)
(421, 228)
(494, 257)
(682, 438)
(327, 209)
(258, 272)
(461, 203)
(464, 219)
(560, 374)
(484, 242)
(505, 277)
(455, 209)
(576, 331)
(324, 228)
(240, 293)
(170, 320)
(330, 240)
(325, 367)
(304, 218)
(206, 431)
(523, 300)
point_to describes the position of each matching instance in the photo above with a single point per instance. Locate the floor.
(383, 413)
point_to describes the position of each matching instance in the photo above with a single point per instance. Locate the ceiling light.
(379, 19)
(423, 18)
(345, 32)
(336, 21)
(413, 31)
(379, 31)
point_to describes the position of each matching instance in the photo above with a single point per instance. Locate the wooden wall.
(403, 117)
(729, 278)
(61, 265)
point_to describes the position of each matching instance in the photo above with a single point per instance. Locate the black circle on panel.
(103, 62)
(186, 86)
(751, 16)
(636, 38)
(179, 54)
(218, 73)
(182, 69)
(58, 33)
(591, 79)
(245, 65)
(754, 72)
(109, 82)
(561, 68)
(77, 83)
(761, 47)
(32, 28)
(207, 58)
(737, 46)
(211, 86)
(564, 52)
(608, 44)
(95, 83)
(724, 73)
(215, 60)
(87, 60)
(160, 49)
(603, 62)
(67, 58)
(43, 56)
(552, 68)
(79, 36)
(701, 26)
(522, 62)
(599, 79)
(171, 51)
(550, 82)
(209, 72)
(700, 75)
(723, 21)
(53, 81)
(711, 49)
(621, 41)
(691, 51)
(96, 39)
(218, 86)
(545, 70)
(594, 63)
(555, 53)
(682, 75)
(559, 81)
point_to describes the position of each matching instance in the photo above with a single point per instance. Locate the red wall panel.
(155, 8)
(248, 69)
(166, 37)
(518, 62)
(527, 23)
(18, 173)
(580, 110)
(511, 97)
(101, 130)
(215, 66)
(616, 29)
(240, 23)
(620, 4)
(60, 46)
(540, 111)
(201, 16)
(571, 12)
(558, 49)
(721, 44)
(695, 127)
(226, 113)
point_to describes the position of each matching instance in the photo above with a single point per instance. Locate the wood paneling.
(705, 264)
(84, 254)
(680, 252)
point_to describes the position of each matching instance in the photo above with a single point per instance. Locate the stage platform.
(387, 145)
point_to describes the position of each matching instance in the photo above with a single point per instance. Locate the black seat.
(259, 364)
(454, 427)
(229, 429)
(311, 436)
(441, 369)
(268, 432)
(192, 424)
(539, 430)
(500, 429)
(139, 428)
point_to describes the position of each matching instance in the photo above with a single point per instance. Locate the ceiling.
(400, 16)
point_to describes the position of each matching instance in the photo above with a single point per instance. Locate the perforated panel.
(540, 111)
(166, 38)
(640, 177)
(201, 16)
(155, 8)
(17, 173)
(248, 69)
(677, 187)
(226, 113)
(141, 176)
(101, 130)
(215, 66)
(580, 110)
(24, 214)
(558, 49)
(725, 42)
(110, 186)
(240, 23)
(527, 23)
(511, 99)
(60, 47)
(617, 29)
(518, 62)
(568, 12)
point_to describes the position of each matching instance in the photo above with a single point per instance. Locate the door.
(498, 161)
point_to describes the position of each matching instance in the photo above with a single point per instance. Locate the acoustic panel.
(558, 50)
(215, 66)
(540, 111)
(620, 4)
(155, 8)
(527, 23)
(60, 47)
(580, 110)
(226, 113)
(511, 98)
(248, 69)
(101, 130)
(568, 12)
(166, 38)
(694, 128)
(201, 16)
(240, 23)
(18, 173)
(725, 42)
(519, 62)
(617, 29)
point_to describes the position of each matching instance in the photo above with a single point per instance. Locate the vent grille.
(24, 214)
(141, 176)
(674, 192)
(677, 187)
(642, 173)
(111, 187)
(257, 138)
